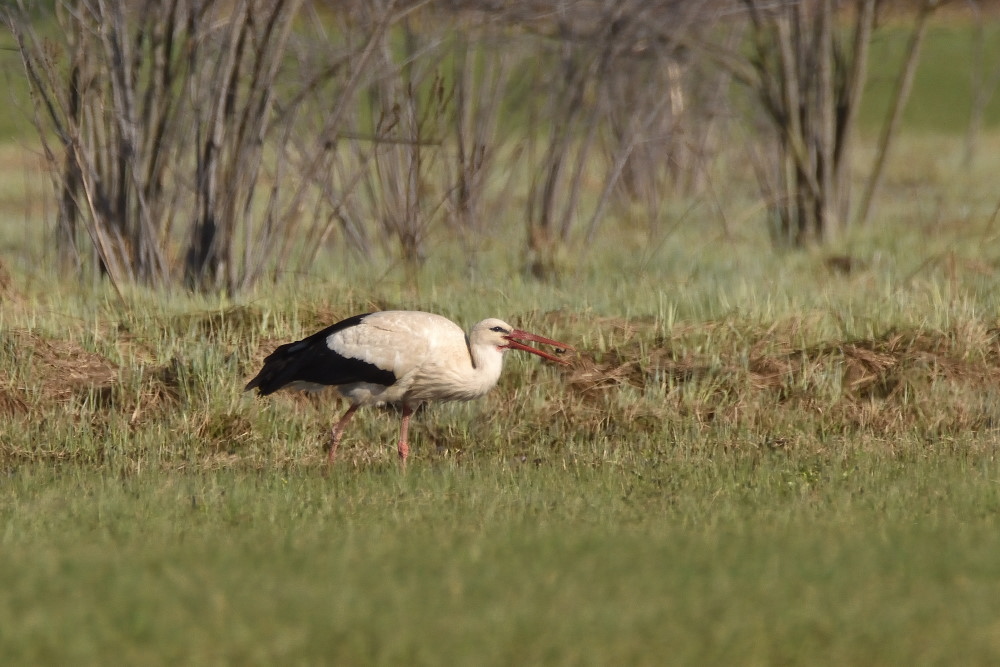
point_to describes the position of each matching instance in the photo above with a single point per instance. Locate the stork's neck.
(487, 362)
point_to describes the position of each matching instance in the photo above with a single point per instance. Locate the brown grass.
(768, 382)
(56, 372)
(933, 381)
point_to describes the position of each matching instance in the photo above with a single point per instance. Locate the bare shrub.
(619, 111)
(402, 189)
(482, 73)
(808, 75)
(904, 84)
(163, 125)
(216, 144)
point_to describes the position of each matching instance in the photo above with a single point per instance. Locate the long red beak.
(515, 338)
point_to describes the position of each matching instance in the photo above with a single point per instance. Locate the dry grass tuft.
(589, 376)
(930, 381)
(226, 433)
(57, 369)
(216, 323)
(12, 403)
(54, 372)
(6, 288)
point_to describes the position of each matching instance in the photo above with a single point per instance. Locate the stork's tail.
(311, 361)
(281, 367)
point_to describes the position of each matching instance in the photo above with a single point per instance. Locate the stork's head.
(499, 334)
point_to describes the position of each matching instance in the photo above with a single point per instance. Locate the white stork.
(400, 357)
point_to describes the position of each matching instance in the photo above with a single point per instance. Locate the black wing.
(311, 360)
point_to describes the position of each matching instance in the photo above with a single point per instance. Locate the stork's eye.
(498, 330)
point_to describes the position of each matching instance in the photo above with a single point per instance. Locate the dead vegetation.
(54, 373)
(901, 381)
(760, 381)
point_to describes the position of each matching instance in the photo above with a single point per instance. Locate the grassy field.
(755, 458)
(868, 561)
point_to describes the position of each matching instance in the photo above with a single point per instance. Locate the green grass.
(504, 564)
(722, 495)
(941, 99)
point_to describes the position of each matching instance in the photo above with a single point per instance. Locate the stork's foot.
(403, 449)
(331, 451)
(337, 432)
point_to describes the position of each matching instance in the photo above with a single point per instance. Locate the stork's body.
(397, 357)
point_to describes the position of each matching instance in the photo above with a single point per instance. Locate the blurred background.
(215, 145)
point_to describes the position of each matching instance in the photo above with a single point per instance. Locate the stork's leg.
(338, 430)
(404, 446)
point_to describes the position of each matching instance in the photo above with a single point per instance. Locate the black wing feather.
(310, 360)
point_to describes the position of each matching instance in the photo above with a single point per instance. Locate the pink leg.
(404, 447)
(338, 430)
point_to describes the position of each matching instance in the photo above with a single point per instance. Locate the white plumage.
(398, 357)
